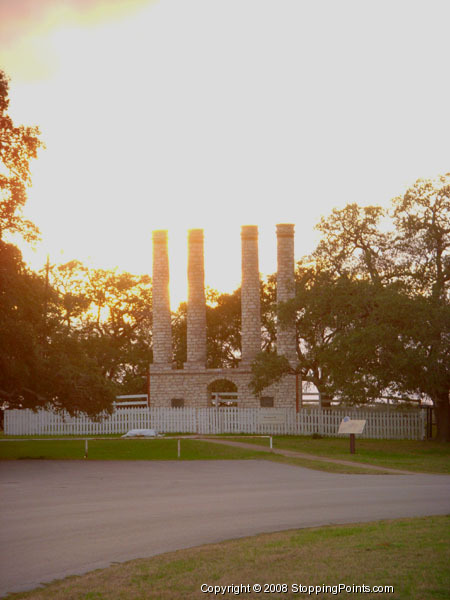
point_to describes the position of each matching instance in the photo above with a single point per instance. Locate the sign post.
(351, 427)
(352, 443)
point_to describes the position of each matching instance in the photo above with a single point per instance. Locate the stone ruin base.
(190, 387)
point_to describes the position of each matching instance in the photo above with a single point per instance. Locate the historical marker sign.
(272, 416)
(349, 426)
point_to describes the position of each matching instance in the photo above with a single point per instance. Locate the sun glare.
(177, 115)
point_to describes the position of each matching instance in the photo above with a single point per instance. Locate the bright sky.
(220, 113)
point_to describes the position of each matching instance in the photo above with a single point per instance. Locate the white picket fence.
(391, 424)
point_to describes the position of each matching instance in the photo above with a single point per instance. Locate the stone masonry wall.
(196, 314)
(250, 295)
(162, 328)
(286, 343)
(191, 383)
(192, 387)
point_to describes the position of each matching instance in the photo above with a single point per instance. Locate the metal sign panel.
(272, 416)
(349, 426)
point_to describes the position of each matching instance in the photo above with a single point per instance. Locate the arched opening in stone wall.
(222, 392)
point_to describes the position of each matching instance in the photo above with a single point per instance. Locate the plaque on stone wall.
(266, 401)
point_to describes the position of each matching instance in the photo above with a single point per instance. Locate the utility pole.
(44, 332)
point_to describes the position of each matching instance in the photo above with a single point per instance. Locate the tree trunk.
(442, 410)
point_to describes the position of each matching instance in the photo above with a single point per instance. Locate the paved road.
(66, 517)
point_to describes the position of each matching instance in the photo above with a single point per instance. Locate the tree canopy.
(372, 304)
(18, 145)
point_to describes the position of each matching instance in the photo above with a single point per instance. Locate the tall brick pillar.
(286, 287)
(250, 295)
(196, 314)
(162, 329)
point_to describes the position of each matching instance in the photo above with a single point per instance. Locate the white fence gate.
(386, 424)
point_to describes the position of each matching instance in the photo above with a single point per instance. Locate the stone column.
(250, 295)
(286, 343)
(196, 313)
(162, 328)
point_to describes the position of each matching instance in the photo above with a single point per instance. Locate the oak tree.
(18, 146)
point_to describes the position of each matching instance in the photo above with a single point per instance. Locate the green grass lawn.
(162, 449)
(426, 456)
(117, 449)
(421, 456)
(412, 555)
